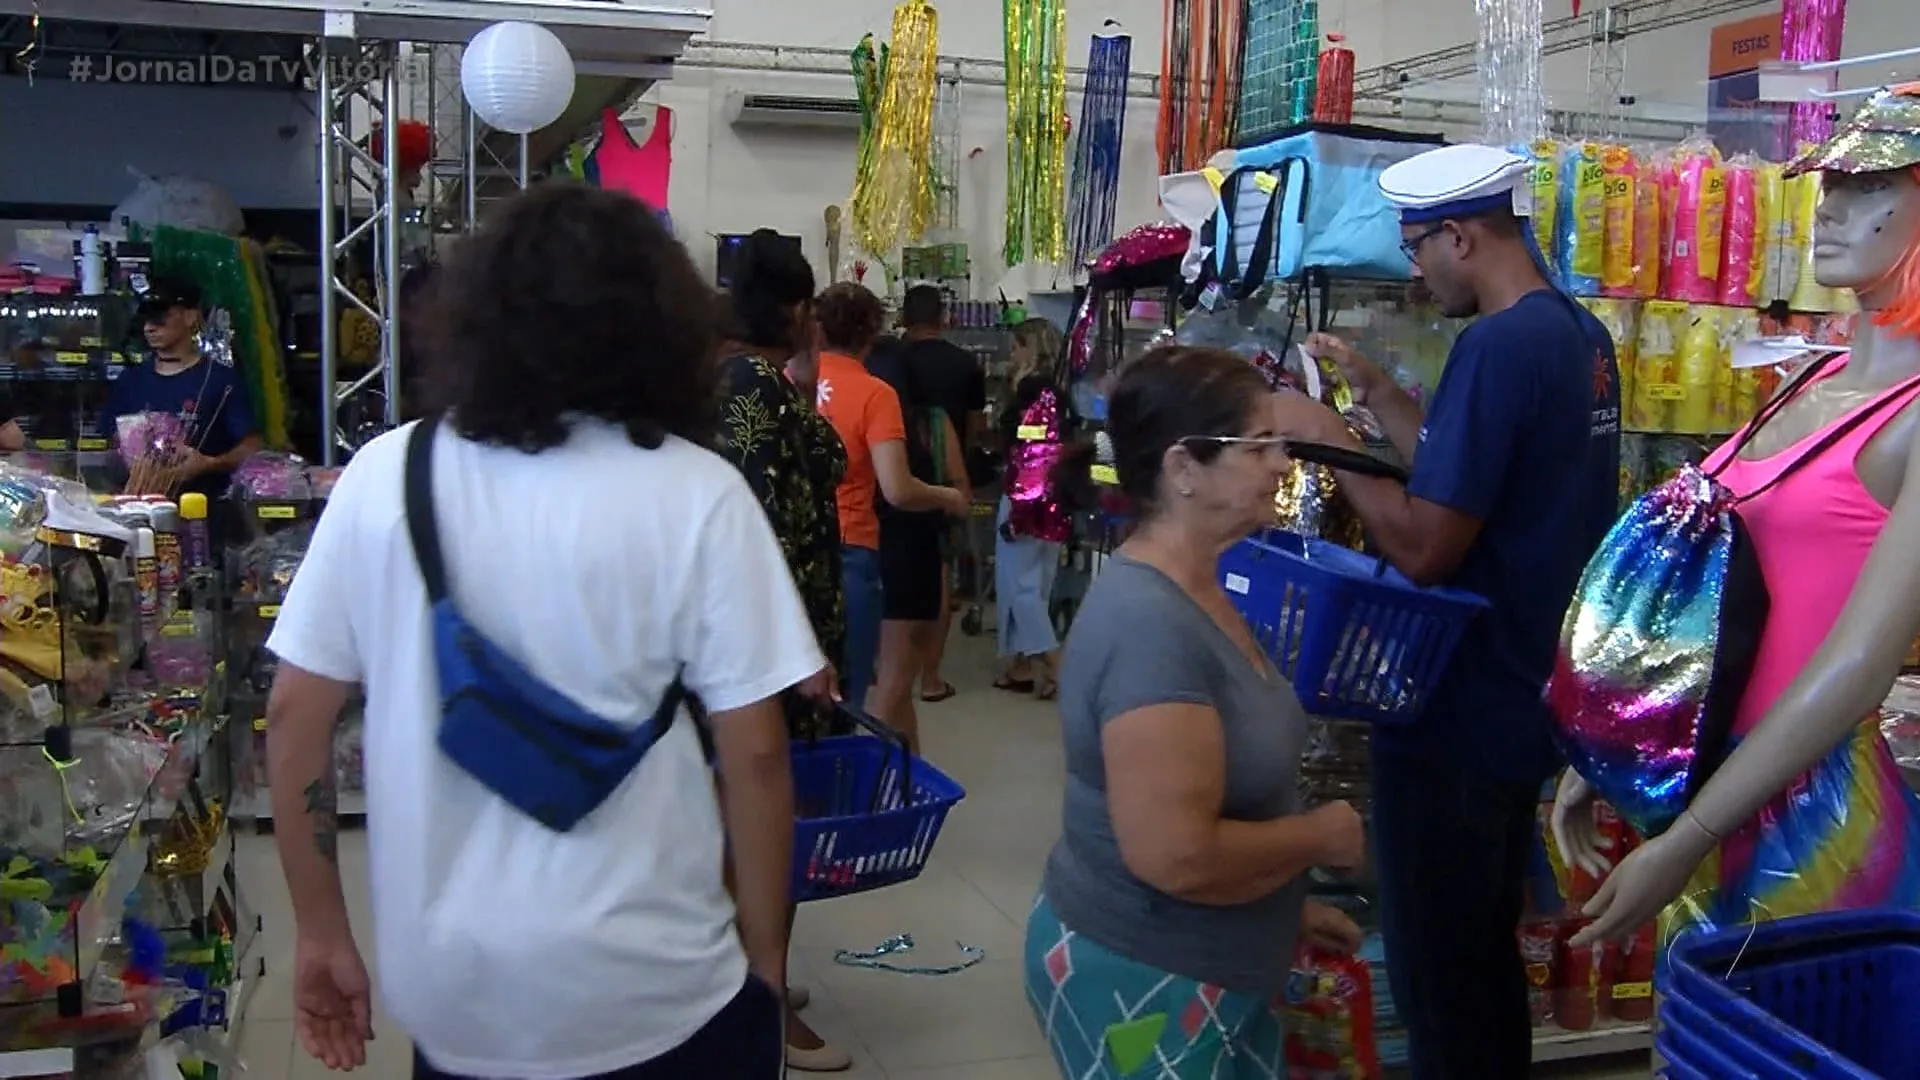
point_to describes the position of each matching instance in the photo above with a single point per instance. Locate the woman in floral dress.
(791, 456)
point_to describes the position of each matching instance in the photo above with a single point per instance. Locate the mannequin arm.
(1845, 681)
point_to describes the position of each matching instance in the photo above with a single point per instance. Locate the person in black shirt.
(948, 378)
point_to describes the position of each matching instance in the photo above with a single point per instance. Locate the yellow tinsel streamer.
(1036, 60)
(892, 202)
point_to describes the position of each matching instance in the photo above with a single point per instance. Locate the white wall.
(728, 180)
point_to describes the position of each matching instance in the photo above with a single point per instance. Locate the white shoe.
(823, 1058)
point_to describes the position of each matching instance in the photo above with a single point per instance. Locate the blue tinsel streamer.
(1095, 191)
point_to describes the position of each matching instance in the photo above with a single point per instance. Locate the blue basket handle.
(891, 735)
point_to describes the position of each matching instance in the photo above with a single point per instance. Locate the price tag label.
(49, 444)
(276, 512)
(1030, 432)
(67, 356)
(1638, 991)
(1667, 392)
(92, 342)
(270, 611)
(93, 443)
(259, 723)
(1106, 474)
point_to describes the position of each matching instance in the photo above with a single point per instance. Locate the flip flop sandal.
(1017, 686)
(946, 691)
(1046, 691)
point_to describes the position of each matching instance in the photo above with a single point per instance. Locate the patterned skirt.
(1110, 1018)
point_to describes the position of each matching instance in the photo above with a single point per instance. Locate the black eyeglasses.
(1412, 247)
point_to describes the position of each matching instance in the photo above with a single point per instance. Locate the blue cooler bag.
(1310, 201)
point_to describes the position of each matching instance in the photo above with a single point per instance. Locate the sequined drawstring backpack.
(1034, 507)
(1658, 645)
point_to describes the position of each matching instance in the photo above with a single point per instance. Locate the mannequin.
(1808, 812)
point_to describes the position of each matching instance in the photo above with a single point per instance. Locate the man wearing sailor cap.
(1515, 472)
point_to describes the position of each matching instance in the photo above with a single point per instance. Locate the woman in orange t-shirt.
(866, 413)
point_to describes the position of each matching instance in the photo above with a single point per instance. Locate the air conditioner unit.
(786, 110)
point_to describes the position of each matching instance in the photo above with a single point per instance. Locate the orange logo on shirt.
(1602, 375)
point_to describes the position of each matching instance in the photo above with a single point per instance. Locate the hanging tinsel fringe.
(1200, 90)
(1036, 59)
(891, 200)
(1096, 153)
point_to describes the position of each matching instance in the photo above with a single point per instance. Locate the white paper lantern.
(517, 76)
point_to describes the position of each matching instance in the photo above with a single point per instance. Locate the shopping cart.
(867, 811)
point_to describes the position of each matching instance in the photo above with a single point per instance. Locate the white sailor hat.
(1458, 181)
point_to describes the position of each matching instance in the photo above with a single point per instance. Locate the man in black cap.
(173, 377)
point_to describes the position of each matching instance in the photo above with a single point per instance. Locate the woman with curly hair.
(590, 534)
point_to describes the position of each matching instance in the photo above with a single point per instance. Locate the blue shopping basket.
(1688, 1055)
(866, 809)
(1354, 636)
(1819, 997)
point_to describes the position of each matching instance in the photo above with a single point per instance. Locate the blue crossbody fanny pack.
(526, 741)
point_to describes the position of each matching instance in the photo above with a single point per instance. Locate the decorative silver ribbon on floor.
(875, 957)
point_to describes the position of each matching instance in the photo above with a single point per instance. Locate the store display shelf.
(1555, 1044)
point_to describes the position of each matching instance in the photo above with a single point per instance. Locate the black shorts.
(910, 573)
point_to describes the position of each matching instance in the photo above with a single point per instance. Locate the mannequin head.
(1866, 237)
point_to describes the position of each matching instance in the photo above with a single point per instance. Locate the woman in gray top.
(1166, 924)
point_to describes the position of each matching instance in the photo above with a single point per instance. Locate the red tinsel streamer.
(1333, 93)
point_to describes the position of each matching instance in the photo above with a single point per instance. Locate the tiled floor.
(970, 1026)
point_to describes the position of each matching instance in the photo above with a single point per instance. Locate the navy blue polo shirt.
(208, 397)
(1523, 433)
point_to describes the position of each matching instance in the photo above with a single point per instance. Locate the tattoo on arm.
(323, 805)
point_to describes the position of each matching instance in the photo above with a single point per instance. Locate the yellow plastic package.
(1656, 363)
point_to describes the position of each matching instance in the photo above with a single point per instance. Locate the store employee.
(174, 377)
(1515, 468)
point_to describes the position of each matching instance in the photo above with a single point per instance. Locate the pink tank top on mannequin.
(1811, 533)
(641, 170)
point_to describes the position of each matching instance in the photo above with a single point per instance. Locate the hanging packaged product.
(1545, 181)
(1656, 359)
(1743, 394)
(1699, 215)
(1619, 276)
(1649, 217)
(1582, 239)
(1743, 234)
(1696, 370)
(1792, 239)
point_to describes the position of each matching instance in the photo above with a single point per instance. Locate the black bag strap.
(1828, 441)
(422, 526)
(1241, 282)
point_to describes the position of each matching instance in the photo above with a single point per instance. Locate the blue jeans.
(1451, 852)
(860, 575)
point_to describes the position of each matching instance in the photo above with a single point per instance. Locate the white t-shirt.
(506, 949)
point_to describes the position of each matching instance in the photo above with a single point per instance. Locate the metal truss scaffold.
(349, 174)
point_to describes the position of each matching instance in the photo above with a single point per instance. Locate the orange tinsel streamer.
(1200, 83)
